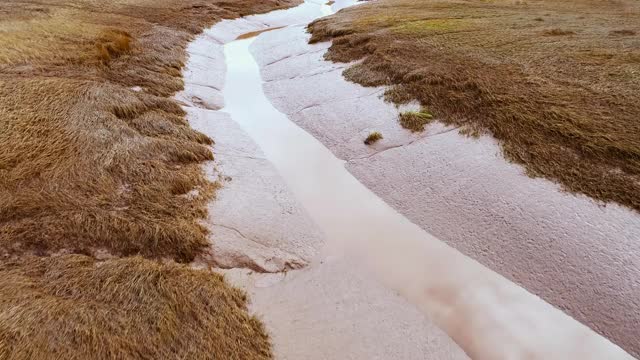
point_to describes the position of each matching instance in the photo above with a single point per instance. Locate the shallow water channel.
(463, 297)
(341, 206)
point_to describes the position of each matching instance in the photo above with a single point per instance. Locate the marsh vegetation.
(74, 307)
(95, 156)
(556, 82)
(415, 120)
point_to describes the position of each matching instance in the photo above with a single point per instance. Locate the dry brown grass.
(87, 163)
(72, 307)
(88, 166)
(623, 32)
(565, 106)
(558, 32)
(373, 137)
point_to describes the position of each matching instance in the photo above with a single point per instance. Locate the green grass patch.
(415, 120)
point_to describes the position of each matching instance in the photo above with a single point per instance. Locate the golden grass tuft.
(415, 120)
(565, 107)
(373, 137)
(73, 307)
(112, 44)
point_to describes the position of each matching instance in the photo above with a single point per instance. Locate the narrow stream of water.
(356, 222)
(343, 208)
(462, 296)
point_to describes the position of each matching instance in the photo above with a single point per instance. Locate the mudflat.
(555, 82)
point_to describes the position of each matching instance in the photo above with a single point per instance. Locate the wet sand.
(575, 253)
(366, 242)
(327, 309)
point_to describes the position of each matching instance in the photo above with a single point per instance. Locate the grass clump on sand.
(73, 307)
(415, 120)
(556, 82)
(374, 137)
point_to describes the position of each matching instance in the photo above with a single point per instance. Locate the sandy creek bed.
(331, 268)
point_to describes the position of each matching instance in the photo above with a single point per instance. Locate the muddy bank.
(576, 254)
(335, 310)
(366, 243)
(261, 234)
(255, 221)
